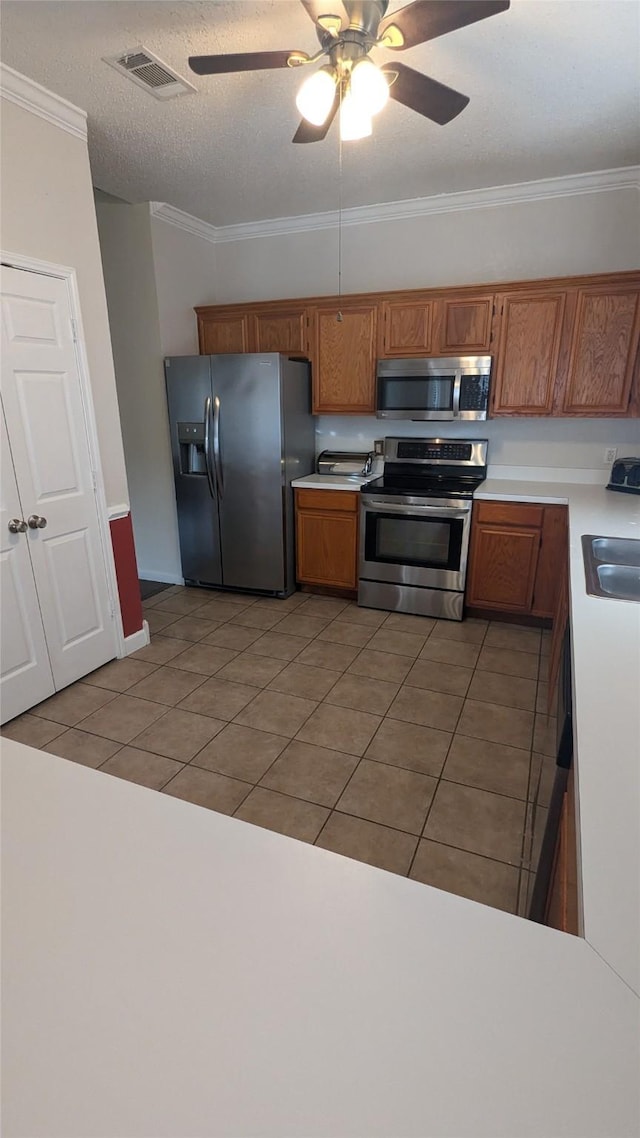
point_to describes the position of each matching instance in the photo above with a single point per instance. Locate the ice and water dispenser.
(192, 454)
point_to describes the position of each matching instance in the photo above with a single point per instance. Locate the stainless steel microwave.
(456, 388)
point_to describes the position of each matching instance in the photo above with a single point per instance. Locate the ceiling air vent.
(144, 69)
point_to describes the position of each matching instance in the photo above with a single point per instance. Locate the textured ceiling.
(554, 87)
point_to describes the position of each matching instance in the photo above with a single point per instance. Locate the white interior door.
(25, 672)
(45, 419)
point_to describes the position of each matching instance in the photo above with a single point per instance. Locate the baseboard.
(153, 575)
(137, 640)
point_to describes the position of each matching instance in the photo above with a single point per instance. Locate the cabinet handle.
(17, 525)
(34, 521)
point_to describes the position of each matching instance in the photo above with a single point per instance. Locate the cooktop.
(415, 486)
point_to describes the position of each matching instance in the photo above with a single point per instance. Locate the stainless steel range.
(414, 526)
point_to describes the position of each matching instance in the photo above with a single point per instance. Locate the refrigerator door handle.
(216, 446)
(207, 451)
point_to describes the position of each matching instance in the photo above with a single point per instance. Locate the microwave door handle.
(457, 383)
(207, 451)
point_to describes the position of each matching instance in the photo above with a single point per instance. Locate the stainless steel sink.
(616, 550)
(612, 566)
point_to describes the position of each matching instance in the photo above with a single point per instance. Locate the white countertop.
(174, 972)
(330, 482)
(179, 973)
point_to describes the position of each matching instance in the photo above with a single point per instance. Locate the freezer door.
(247, 444)
(190, 403)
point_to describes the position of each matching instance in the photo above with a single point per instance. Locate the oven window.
(405, 393)
(428, 542)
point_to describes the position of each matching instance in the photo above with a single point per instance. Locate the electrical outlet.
(610, 454)
(378, 446)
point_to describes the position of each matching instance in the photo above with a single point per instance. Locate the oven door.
(414, 541)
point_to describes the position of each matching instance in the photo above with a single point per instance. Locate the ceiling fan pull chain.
(339, 317)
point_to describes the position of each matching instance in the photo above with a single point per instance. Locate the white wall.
(48, 213)
(560, 236)
(185, 276)
(583, 233)
(559, 444)
(127, 258)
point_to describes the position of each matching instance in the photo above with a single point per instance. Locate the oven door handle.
(457, 384)
(376, 506)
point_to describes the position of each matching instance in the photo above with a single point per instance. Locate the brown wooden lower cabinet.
(327, 538)
(552, 560)
(562, 901)
(514, 556)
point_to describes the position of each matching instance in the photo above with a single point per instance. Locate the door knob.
(17, 525)
(34, 521)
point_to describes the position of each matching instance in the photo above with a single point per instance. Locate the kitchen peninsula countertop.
(176, 972)
(171, 971)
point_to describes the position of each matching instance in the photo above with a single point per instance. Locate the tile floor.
(405, 742)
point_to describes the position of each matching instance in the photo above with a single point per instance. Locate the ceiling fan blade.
(307, 132)
(317, 8)
(425, 95)
(244, 61)
(427, 19)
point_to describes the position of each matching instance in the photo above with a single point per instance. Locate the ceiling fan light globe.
(355, 122)
(315, 97)
(369, 86)
(330, 23)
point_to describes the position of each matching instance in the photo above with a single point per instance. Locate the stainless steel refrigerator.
(241, 430)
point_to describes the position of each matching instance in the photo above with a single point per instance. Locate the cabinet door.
(464, 325)
(603, 351)
(527, 356)
(553, 555)
(220, 334)
(326, 545)
(345, 359)
(281, 331)
(502, 567)
(406, 328)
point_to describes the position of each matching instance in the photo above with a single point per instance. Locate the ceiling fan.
(350, 82)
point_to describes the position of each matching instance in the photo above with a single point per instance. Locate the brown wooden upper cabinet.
(464, 325)
(604, 346)
(249, 329)
(443, 327)
(406, 328)
(281, 330)
(223, 331)
(527, 353)
(567, 346)
(344, 359)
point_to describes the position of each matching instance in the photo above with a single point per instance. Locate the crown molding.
(186, 221)
(32, 97)
(600, 181)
